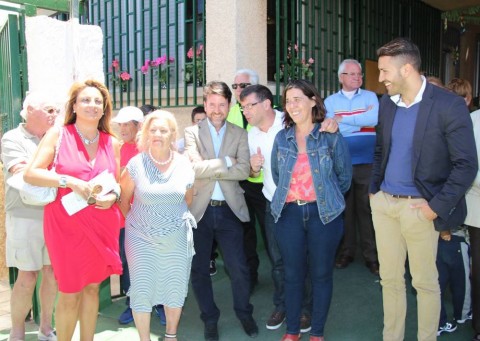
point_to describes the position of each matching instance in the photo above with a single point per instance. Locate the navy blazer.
(444, 157)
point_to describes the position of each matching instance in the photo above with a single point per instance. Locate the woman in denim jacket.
(312, 171)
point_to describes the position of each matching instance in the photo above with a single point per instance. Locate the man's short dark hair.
(217, 88)
(198, 110)
(403, 48)
(148, 108)
(261, 91)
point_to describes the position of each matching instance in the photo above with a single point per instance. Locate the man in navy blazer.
(425, 160)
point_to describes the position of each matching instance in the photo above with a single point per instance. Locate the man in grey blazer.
(220, 157)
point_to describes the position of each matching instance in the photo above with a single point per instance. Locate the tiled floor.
(355, 313)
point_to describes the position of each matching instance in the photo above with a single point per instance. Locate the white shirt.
(264, 140)
(397, 99)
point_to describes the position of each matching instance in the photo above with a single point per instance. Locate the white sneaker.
(50, 337)
(468, 317)
(447, 327)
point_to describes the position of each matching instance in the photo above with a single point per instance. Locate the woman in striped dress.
(158, 227)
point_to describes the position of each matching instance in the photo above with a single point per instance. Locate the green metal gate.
(13, 74)
(329, 31)
(158, 45)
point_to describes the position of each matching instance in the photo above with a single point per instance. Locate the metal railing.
(145, 50)
(329, 31)
(13, 70)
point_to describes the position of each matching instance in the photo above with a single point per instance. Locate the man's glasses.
(352, 74)
(241, 85)
(51, 110)
(249, 106)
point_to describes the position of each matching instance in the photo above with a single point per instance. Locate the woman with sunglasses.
(312, 171)
(83, 247)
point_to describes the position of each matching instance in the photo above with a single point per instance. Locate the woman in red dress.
(83, 246)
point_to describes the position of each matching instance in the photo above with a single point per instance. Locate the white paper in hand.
(73, 202)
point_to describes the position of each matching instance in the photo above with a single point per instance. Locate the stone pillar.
(236, 38)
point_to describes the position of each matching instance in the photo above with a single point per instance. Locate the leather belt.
(217, 203)
(400, 196)
(301, 202)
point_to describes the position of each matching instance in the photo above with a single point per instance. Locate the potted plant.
(295, 67)
(195, 66)
(120, 77)
(160, 69)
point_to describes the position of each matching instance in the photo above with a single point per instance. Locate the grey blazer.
(209, 169)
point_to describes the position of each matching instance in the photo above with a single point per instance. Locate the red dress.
(83, 248)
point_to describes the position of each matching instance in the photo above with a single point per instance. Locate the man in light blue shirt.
(356, 111)
(220, 157)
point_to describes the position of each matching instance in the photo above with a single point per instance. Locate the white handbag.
(36, 195)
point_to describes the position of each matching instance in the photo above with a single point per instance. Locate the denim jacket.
(330, 165)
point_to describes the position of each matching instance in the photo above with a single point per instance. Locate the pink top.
(83, 248)
(301, 185)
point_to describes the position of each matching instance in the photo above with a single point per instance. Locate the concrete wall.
(236, 36)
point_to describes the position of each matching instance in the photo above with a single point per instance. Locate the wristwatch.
(62, 182)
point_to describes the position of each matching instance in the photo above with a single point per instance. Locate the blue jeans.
(221, 224)
(307, 245)
(278, 272)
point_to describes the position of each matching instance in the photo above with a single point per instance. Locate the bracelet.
(117, 196)
(116, 191)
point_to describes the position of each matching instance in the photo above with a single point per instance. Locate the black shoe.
(250, 327)
(213, 267)
(374, 267)
(343, 261)
(211, 332)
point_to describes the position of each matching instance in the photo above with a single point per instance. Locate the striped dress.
(158, 233)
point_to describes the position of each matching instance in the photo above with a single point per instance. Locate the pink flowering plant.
(196, 61)
(119, 76)
(295, 67)
(159, 68)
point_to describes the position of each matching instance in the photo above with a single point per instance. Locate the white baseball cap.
(128, 114)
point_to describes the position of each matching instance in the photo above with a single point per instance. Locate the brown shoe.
(343, 262)
(305, 323)
(275, 320)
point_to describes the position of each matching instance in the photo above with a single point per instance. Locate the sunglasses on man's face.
(241, 85)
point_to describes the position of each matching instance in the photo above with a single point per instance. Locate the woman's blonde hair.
(143, 141)
(71, 116)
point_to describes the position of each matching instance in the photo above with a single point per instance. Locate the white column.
(236, 38)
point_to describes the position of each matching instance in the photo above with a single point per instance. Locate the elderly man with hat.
(129, 120)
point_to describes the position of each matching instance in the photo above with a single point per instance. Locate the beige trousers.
(401, 230)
